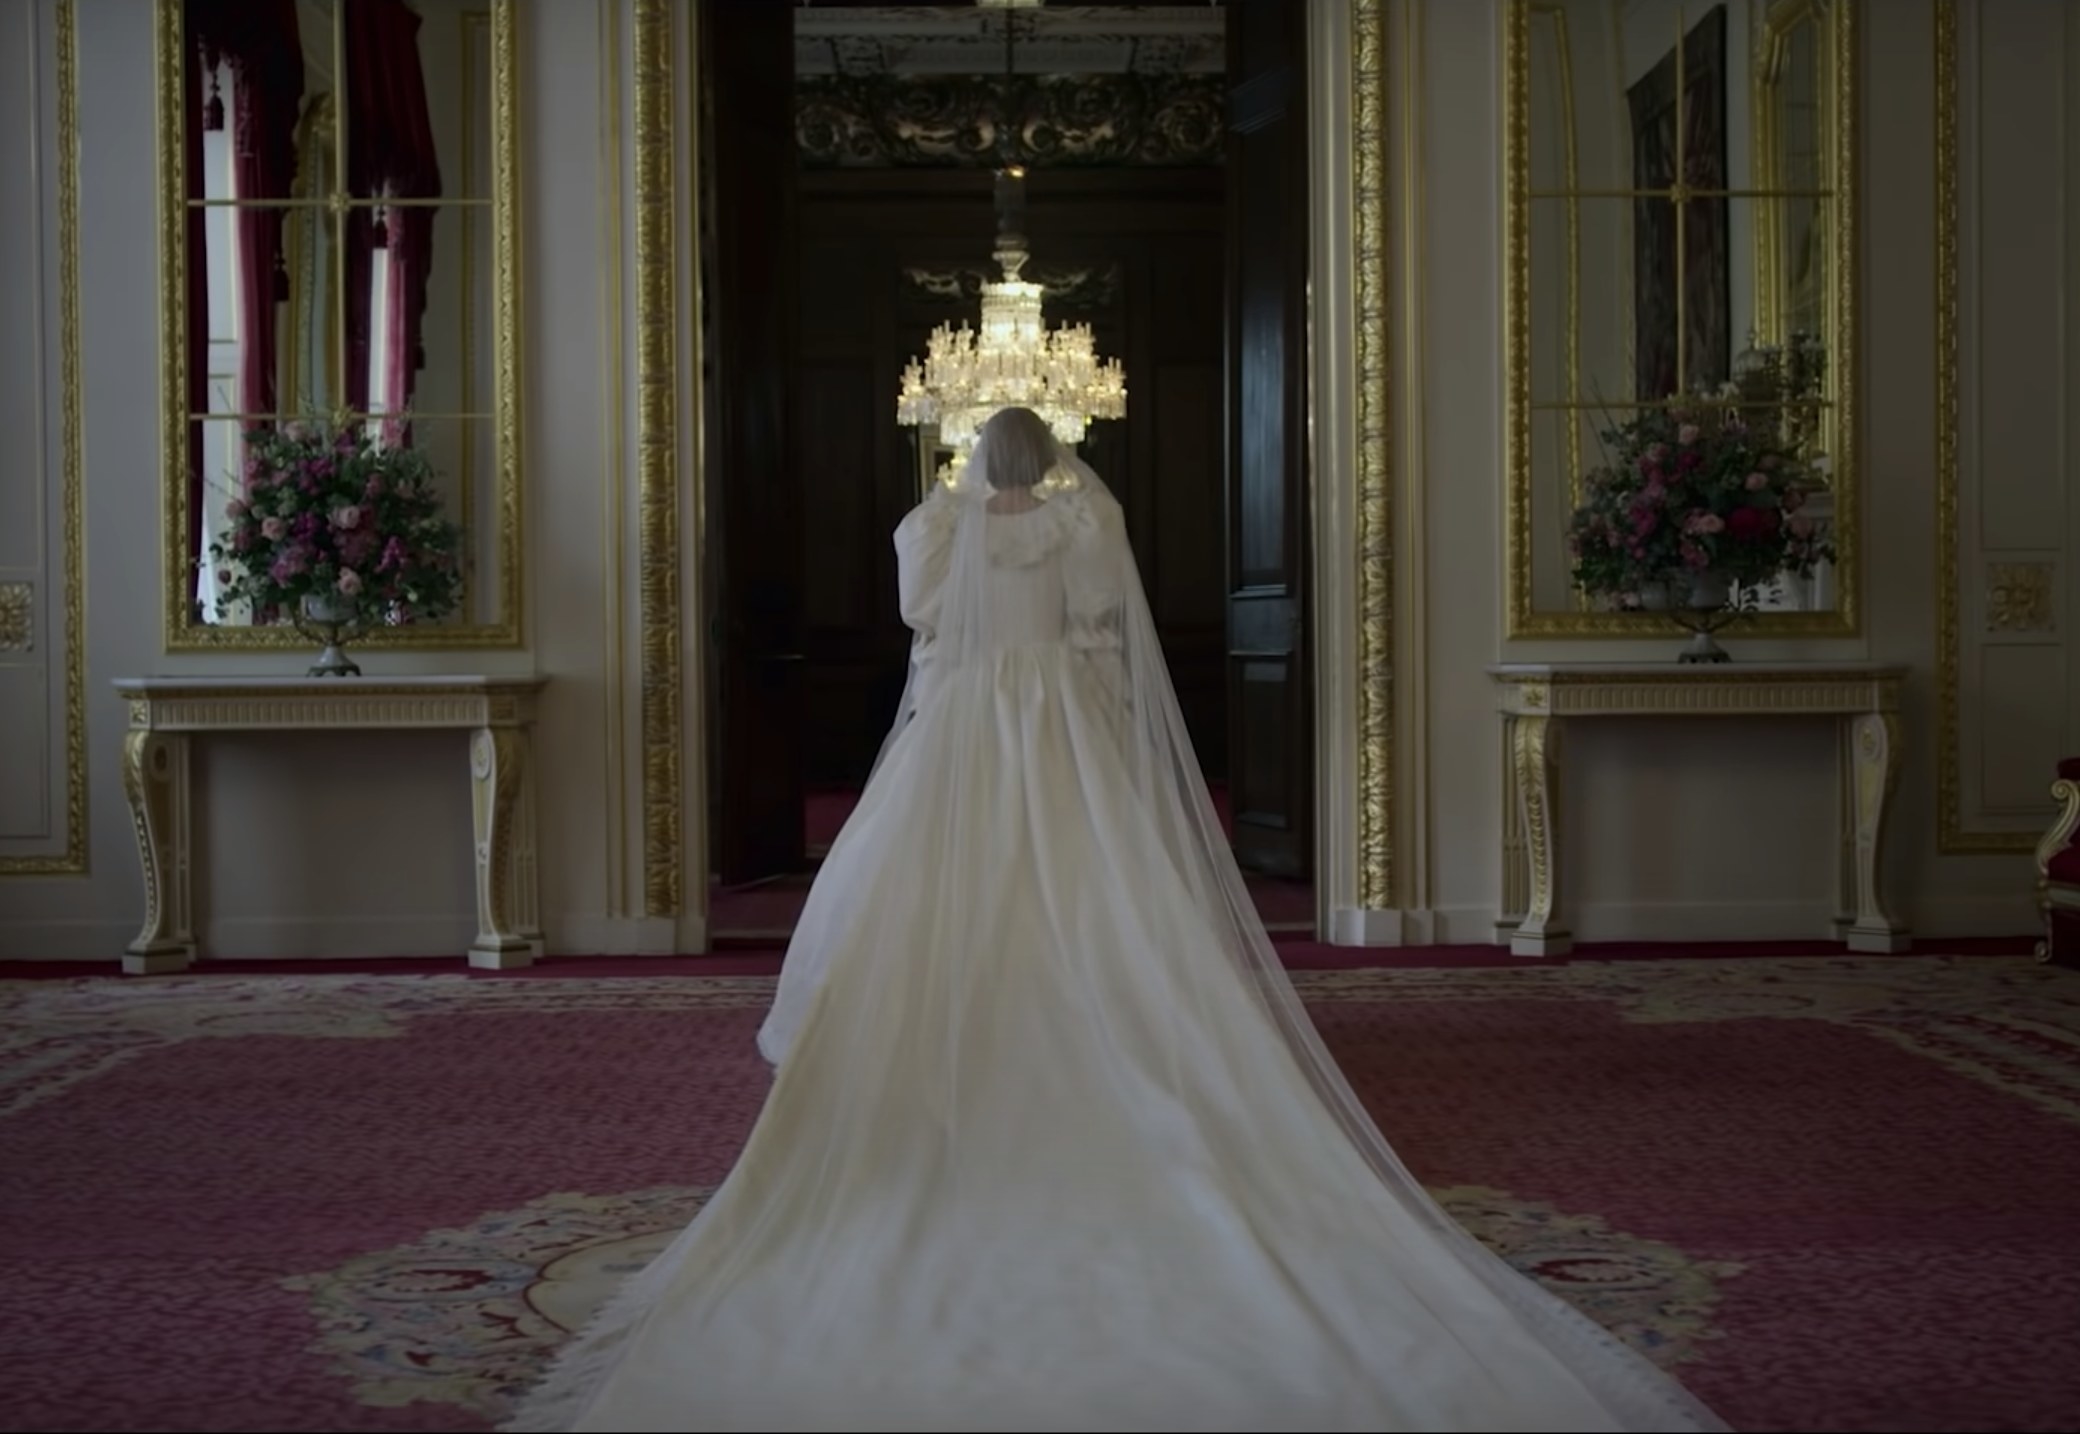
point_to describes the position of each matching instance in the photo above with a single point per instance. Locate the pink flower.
(236, 509)
(1687, 433)
(223, 577)
(1794, 499)
(349, 516)
(1757, 482)
(1695, 556)
(349, 581)
(1701, 521)
(271, 529)
(296, 430)
(1801, 526)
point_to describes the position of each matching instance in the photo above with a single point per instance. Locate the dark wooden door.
(1270, 724)
(753, 549)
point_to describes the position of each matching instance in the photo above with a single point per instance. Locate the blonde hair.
(1021, 448)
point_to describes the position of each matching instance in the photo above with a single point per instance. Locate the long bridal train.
(1052, 1143)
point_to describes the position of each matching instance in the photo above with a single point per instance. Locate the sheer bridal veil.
(1024, 1013)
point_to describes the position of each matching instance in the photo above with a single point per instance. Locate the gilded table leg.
(498, 804)
(1534, 748)
(1874, 763)
(2067, 795)
(155, 778)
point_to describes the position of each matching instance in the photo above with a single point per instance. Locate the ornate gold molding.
(657, 456)
(614, 463)
(183, 632)
(17, 617)
(1524, 618)
(1375, 478)
(2019, 598)
(72, 492)
(1952, 837)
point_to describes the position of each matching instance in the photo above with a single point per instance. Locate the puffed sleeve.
(1094, 573)
(924, 550)
(924, 545)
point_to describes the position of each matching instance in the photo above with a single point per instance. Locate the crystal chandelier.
(1012, 359)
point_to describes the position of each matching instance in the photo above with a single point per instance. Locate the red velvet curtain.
(391, 154)
(259, 41)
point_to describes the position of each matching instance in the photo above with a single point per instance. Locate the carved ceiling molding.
(919, 40)
(846, 122)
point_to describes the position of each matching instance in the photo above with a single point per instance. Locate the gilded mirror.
(338, 262)
(1681, 201)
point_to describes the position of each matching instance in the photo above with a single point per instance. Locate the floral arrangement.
(1707, 486)
(333, 512)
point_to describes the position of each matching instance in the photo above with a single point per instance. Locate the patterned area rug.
(1830, 1193)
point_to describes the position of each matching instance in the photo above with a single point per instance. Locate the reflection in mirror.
(311, 339)
(341, 246)
(1677, 189)
(1793, 139)
(282, 507)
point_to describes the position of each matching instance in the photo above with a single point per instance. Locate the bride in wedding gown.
(1052, 1143)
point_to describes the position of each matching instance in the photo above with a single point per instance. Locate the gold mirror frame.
(1780, 19)
(183, 632)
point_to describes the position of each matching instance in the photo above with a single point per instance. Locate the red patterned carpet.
(1833, 1193)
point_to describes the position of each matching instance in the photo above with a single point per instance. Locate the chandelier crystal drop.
(1012, 358)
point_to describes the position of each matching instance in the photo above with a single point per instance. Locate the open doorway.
(848, 173)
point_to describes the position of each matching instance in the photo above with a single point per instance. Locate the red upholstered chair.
(2058, 871)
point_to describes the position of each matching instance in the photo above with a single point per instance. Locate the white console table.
(1537, 701)
(497, 712)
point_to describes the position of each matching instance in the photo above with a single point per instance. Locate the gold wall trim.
(72, 488)
(614, 458)
(657, 456)
(1952, 837)
(1524, 618)
(1375, 475)
(182, 632)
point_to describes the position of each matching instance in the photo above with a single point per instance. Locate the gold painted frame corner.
(182, 631)
(1523, 618)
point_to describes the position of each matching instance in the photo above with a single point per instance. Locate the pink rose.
(346, 516)
(1701, 521)
(223, 577)
(1757, 482)
(236, 509)
(1794, 499)
(1687, 433)
(271, 529)
(349, 581)
(1801, 526)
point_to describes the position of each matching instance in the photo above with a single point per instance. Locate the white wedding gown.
(1041, 1153)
